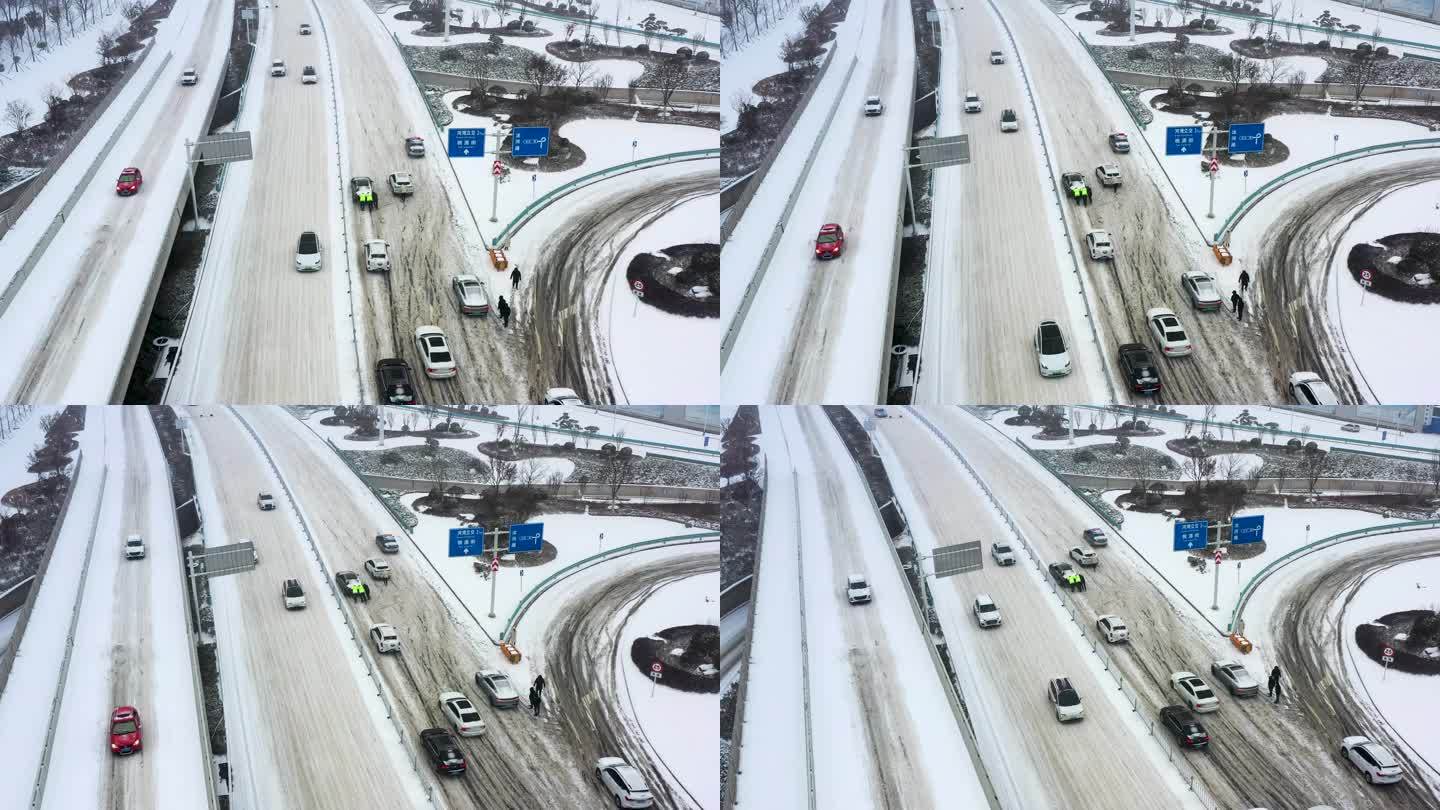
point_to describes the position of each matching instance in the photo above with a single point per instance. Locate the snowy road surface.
(994, 232)
(880, 733)
(1259, 756)
(818, 331)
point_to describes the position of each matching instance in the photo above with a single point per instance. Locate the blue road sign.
(467, 541)
(1245, 138)
(530, 141)
(1247, 529)
(1191, 534)
(1184, 140)
(527, 537)
(466, 142)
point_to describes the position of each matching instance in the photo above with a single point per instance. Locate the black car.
(1059, 571)
(1139, 368)
(443, 750)
(344, 579)
(387, 543)
(1187, 730)
(397, 385)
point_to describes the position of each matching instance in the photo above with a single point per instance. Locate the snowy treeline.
(746, 19)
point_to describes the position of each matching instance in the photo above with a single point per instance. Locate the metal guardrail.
(737, 732)
(1237, 614)
(1305, 27)
(527, 213)
(545, 584)
(355, 634)
(37, 794)
(1098, 647)
(192, 636)
(1254, 198)
(747, 298)
(1053, 173)
(17, 281)
(575, 435)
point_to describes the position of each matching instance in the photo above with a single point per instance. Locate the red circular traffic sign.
(1365, 274)
(656, 667)
(638, 285)
(1389, 651)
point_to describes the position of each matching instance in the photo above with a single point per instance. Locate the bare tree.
(1198, 468)
(669, 75)
(503, 9)
(1361, 70)
(18, 113)
(618, 465)
(1313, 465)
(1236, 68)
(541, 72)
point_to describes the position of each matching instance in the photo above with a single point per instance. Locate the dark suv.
(387, 543)
(397, 384)
(1059, 571)
(1096, 537)
(1187, 730)
(443, 750)
(1140, 370)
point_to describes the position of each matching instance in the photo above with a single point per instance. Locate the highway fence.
(737, 729)
(529, 212)
(532, 595)
(1098, 646)
(576, 435)
(1237, 615)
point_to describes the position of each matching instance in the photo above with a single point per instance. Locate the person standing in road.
(1242, 309)
(1275, 684)
(540, 685)
(1244, 281)
(1234, 302)
(504, 312)
(535, 701)
(515, 278)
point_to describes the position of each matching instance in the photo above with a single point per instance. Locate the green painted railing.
(1258, 429)
(452, 411)
(539, 590)
(1264, 191)
(1254, 582)
(503, 238)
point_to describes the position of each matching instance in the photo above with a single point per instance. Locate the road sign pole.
(1215, 598)
(494, 196)
(494, 575)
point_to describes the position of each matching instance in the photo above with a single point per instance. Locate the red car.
(129, 182)
(125, 730)
(830, 243)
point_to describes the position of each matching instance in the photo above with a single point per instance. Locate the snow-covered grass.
(27, 81)
(753, 61)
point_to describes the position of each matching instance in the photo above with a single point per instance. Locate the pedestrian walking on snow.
(535, 701)
(1275, 684)
(1234, 302)
(504, 312)
(1242, 309)
(515, 278)
(1244, 281)
(540, 685)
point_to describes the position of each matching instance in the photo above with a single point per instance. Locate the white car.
(189, 76)
(265, 502)
(1168, 333)
(461, 714)
(293, 594)
(1307, 388)
(1374, 760)
(1009, 122)
(972, 101)
(377, 569)
(1065, 700)
(1100, 245)
(309, 256)
(277, 67)
(1051, 351)
(1113, 628)
(385, 638)
(857, 590)
(1002, 554)
(623, 783)
(986, 614)
(305, 29)
(563, 396)
(1084, 556)
(402, 184)
(1108, 174)
(308, 75)
(134, 547)
(377, 256)
(1350, 427)
(1195, 692)
(873, 105)
(435, 353)
(997, 58)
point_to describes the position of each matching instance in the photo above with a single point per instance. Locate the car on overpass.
(1307, 388)
(624, 784)
(1100, 245)
(1002, 554)
(1084, 556)
(563, 396)
(972, 102)
(277, 67)
(1065, 700)
(396, 381)
(1113, 628)
(1108, 174)
(1060, 570)
(344, 579)
(387, 543)
(986, 614)
(309, 256)
(1168, 333)
(308, 75)
(377, 569)
(443, 751)
(1197, 694)
(1203, 291)
(415, 146)
(997, 58)
(134, 547)
(1139, 368)
(830, 242)
(461, 714)
(402, 184)
(304, 29)
(293, 594)
(129, 182)
(125, 733)
(1095, 537)
(1050, 350)
(471, 294)
(188, 76)
(265, 502)
(1119, 142)
(1009, 121)
(1236, 678)
(857, 589)
(386, 638)
(377, 256)
(874, 106)
(1372, 759)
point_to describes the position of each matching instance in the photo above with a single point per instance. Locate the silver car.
(1201, 288)
(1235, 678)
(471, 294)
(1002, 554)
